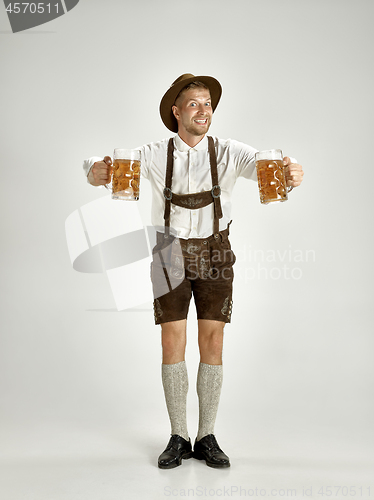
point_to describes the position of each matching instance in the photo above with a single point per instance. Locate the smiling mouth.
(202, 122)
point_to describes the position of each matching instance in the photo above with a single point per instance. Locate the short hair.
(192, 85)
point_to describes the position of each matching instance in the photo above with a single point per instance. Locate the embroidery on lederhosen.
(227, 308)
(197, 255)
(204, 268)
(158, 312)
(176, 261)
(191, 202)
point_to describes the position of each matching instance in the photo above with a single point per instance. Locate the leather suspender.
(195, 200)
(216, 195)
(167, 190)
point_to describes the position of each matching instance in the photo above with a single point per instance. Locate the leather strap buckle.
(168, 193)
(212, 191)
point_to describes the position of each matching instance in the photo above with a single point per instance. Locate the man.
(192, 177)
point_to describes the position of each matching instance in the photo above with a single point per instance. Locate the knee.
(171, 342)
(212, 342)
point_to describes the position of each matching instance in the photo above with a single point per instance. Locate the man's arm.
(99, 170)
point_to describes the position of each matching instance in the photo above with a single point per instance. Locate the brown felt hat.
(169, 98)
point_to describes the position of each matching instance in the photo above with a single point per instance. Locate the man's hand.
(293, 171)
(100, 172)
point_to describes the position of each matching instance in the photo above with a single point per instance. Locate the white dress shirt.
(191, 174)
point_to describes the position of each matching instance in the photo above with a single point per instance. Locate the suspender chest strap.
(195, 200)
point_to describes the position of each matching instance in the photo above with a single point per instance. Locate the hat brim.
(168, 100)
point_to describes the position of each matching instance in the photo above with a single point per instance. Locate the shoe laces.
(212, 442)
(173, 442)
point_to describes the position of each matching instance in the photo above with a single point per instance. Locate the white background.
(81, 403)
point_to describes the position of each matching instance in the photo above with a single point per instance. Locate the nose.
(201, 109)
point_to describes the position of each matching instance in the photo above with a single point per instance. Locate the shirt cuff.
(88, 164)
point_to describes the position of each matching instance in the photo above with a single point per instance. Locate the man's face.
(194, 112)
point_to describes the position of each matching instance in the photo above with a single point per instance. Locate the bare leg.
(211, 341)
(173, 340)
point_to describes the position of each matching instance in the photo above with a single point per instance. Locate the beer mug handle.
(290, 188)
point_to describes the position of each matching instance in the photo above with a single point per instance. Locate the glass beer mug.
(271, 177)
(126, 174)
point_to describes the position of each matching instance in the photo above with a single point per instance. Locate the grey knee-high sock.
(208, 385)
(175, 382)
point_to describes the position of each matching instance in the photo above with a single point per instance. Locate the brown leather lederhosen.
(202, 266)
(194, 251)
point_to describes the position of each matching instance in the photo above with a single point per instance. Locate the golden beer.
(126, 175)
(270, 176)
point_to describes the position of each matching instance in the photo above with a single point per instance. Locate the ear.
(175, 111)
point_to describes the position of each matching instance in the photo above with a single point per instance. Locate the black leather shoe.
(207, 449)
(176, 449)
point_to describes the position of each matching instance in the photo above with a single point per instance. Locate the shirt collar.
(184, 148)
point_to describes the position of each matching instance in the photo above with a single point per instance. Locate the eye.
(207, 104)
(193, 104)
